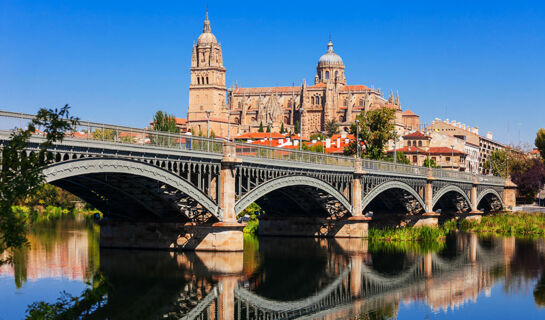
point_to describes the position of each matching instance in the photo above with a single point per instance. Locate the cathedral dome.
(207, 37)
(330, 57)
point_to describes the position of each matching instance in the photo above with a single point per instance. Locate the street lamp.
(452, 156)
(395, 149)
(270, 132)
(323, 141)
(301, 110)
(208, 123)
(357, 139)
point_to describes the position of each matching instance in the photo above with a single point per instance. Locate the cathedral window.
(345, 102)
(198, 80)
(206, 80)
(312, 100)
(361, 102)
(327, 74)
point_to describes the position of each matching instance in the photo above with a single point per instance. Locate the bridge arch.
(288, 181)
(85, 166)
(451, 188)
(491, 192)
(391, 185)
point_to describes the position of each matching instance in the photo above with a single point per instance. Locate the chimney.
(463, 126)
(489, 135)
(476, 130)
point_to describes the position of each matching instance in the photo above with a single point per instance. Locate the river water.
(465, 277)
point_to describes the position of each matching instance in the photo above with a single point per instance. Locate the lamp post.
(357, 139)
(452, 156)
(208, 123)
(395, 149)
(270, 132)
(323, 141)
(301, 110)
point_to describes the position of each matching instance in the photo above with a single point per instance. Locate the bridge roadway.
(177, 191)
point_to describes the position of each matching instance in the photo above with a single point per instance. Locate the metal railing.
(273, 153)
(394, 167)
(92, 131)
(452, 174)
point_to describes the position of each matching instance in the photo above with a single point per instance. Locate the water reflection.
(280, 278)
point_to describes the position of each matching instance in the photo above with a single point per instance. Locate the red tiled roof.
(261, 135)
(180, 121)
(355, 88)
(408, 113)
(416, 135)
(433, 150)
(266, 90)
(318, 85)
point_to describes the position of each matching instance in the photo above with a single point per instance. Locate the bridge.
(177, 191)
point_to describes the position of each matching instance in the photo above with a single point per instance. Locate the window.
(361, 102)
(327, 74)
(198, 80)
(311, 100)
(448, 159)
(206, 80)
(420, 143)
(345, 102)
(336, 74)
(415, 159)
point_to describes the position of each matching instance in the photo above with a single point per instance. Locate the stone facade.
(242, 110)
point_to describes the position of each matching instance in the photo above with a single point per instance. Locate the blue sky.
(478, 62)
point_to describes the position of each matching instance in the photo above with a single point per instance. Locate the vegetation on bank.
(33, 215)
(424, 234)
(509, 224)
(252, 212)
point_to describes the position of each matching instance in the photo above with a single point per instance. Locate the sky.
(481, 63)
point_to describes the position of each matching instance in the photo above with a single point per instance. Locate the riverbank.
(38, 214)
(509, 224)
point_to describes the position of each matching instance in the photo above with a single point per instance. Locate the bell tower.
(207, 91)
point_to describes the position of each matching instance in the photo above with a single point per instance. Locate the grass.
(510, 224)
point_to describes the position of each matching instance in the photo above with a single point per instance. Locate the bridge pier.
(509, 194)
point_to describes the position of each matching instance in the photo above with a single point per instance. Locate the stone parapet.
(314, 227)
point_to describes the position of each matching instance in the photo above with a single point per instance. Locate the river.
(282, 278)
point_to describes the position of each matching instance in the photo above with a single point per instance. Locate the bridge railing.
(491, 179)
(452, 174)
(273, 153)
(391, 167)
(92, 131)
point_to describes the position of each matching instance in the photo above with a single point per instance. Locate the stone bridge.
(179, 191)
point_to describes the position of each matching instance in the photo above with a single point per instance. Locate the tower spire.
(206, 28)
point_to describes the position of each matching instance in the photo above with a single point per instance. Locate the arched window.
(198, 80)
(206, 80)
(345, 102)
(336, 74)
(420, 143)
(311, 100)
(327, 74)
(318, 98)
(361, 102)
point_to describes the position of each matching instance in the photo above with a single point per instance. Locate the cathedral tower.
(207, 89)
(330, 67)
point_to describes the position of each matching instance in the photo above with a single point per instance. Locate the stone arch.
(287, 181)
(78, 167)
(437, 196)
(391, 185)
(486, 192)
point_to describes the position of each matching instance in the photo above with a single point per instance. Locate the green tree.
(22, 175)
(331, 127)
(282, 129)
(261, 127)
(401, 158)
(430, 163)
(104, 134)
(212, 134)
(376, 128)
(268, 128)
(540, 142)
(163, 122)
(498, 161)
(296, 127)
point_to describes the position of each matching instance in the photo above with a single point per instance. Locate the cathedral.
(241, 110)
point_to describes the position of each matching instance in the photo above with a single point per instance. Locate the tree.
(376, 128)
(430, 163)
(401, 158)
(331, 127)
(529, 176)
(261, 127)
(163, 122)
(296, 127)
(212, 134)
(282, 129)
(498, 163)
(268, 128)
(540, 142)
(104, 134)
(21, 174)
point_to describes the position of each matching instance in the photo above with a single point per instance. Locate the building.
(242, 110)
(418, 146)
(471, 136)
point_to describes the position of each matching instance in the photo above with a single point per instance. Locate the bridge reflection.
(301, 279)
